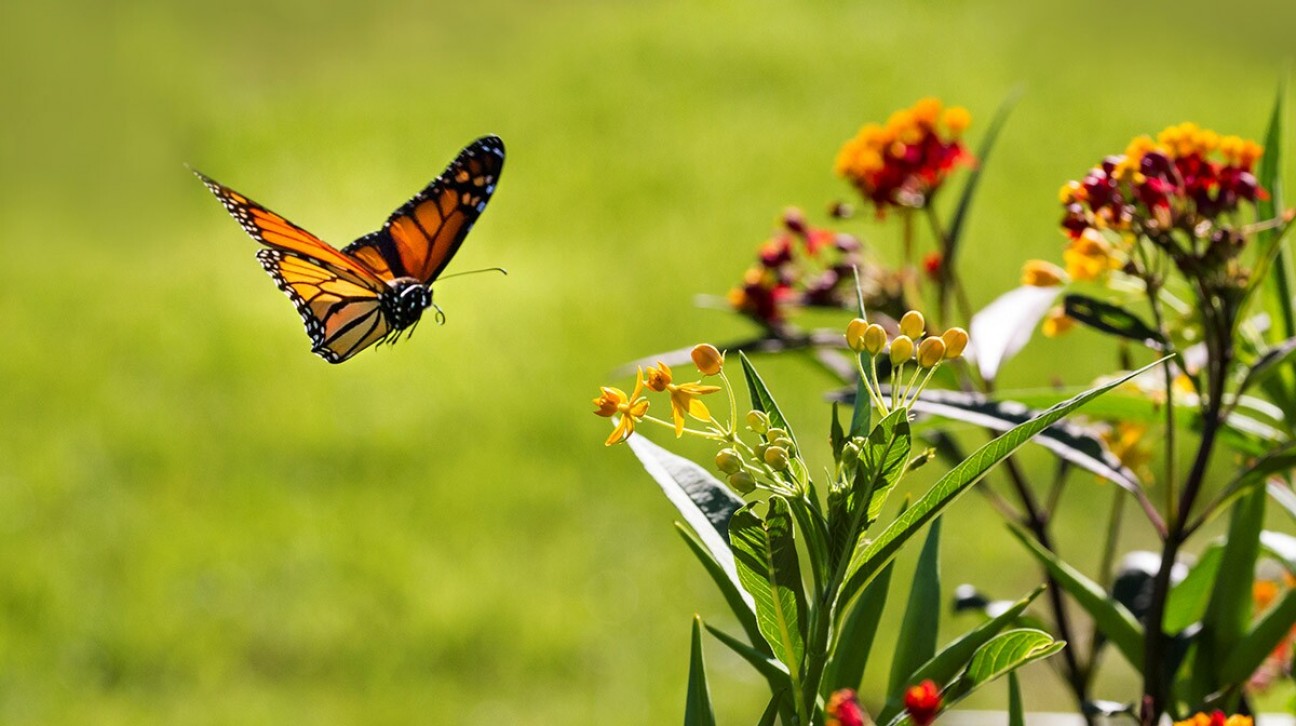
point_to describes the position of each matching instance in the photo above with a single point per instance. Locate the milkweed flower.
(844, 709)
(1215, 718)
(903, 162)
(614, 402)
(685, 398)
(923, 702)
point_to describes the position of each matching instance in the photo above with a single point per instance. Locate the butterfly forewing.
(342, 313)
(421, 237)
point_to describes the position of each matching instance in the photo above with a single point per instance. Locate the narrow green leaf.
(1016, 714)
(1113, 619)
(916, 643)
(705, 503)
(959, 220)
(1072, 444)
(1004, 653)
(1229, 610)
(762, 399)
(773, 670)
(883, 460)
(850, 654)
(770, 717)
(1187, 601)
(1269, 362)
(1112, 319)
(836, 436)
(954, 657)
(1252, 649)
(737, 598)
(1279, 291)
(870, 557)
(697, 709)
(768, 569)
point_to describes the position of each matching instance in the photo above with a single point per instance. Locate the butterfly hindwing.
(421, 237)
(342, 312)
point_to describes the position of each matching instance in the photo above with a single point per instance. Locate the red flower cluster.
(844, 709)
(801, 265)
(1187, 176)
(903, 162)
(922, 703)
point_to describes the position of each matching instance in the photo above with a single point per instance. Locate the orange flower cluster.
(1183, 180)
(903, 162)
(844, 709)
(922, 703)
(801, 265)
(1215, 718)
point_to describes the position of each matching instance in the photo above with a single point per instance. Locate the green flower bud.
(776, 457)
(757, 421)
(729, 461)
(742, 482)
(850, 454)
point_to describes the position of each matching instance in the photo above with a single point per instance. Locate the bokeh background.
(200, 522)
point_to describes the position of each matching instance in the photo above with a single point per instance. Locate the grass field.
(200, 522)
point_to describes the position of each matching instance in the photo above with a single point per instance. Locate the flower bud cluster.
(912, 344)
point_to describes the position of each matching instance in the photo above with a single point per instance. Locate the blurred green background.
(201, 522)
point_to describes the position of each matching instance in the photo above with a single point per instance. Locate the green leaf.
(1004, 653)
(1252, 649)
(1279, 290)
(1269, 362)
(697, 709)
(1229, 610)
(1016, 714)
(739, 601)
(764, 664)
(870, 557)
(770, 717)
(836, 436)
(953, 658)
(916, 643)
(883, 458)
(1070, 443)
(1112, 319)
(1187, 601)
(1113, 619)
(705, 503)
(768, 569)
(850, 654)
(959, 220)
(762, 399)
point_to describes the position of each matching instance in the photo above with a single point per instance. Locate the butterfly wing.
(421, 236)
(338, 298)
(342, 311)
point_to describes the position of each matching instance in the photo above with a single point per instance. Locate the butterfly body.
(380, 285)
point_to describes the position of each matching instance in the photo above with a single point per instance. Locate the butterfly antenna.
(440, 314)
(500, 270)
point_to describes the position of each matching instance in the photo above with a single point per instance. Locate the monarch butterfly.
(379, 285)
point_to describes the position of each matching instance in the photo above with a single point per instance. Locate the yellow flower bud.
(930, 352)
(757, 421)
(708, 359)
(902, 349)
(1039, 273)
(875, 339)
(742, 482)
(912, 324)
(956, 340)
(855, 331)
(776, 457)
(729, 461)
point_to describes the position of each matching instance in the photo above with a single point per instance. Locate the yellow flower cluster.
(912, 342)
(1215, 718)
(685, 398)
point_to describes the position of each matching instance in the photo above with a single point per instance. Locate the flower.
(1126, 443)
(684, 397)
(1089, 257)
(844, 709)
(631, 409)
(904, 162)
(707, 358)
(1039, 273)
(922, 703)
(1215, 718)
(1056, 322)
